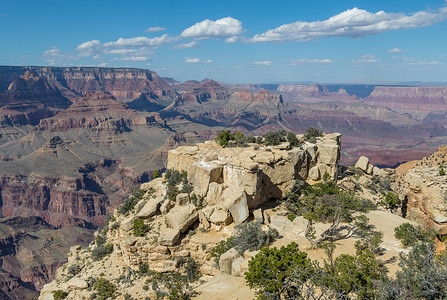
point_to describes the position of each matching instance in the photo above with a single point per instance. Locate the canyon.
(75, 141)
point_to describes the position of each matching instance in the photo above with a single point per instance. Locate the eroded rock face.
(425, 191)
(238, 179)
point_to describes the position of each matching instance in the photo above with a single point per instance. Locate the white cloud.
(189, 60)
(133, 58)
(294, 62)
(366, 59)
(353, 23)
(189, 45)
(89, 48)
(396, 50)
(262, 63)
(223, 28)
(155, 29)
(140, 41)
(56, 57)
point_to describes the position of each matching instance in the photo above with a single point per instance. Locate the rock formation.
(229, 186)
(425, 190)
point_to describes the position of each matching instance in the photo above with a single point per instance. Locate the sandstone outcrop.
(239, 179)
(425, 190)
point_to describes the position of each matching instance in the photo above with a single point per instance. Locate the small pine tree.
(441, 171)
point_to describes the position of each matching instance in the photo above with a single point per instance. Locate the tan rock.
(181, 217)
(205, 173)
(379, 172)
(204, 220)
(362, 163)
(150, 208)
(169, 237)
(182, 199)
(226, 261)
(77, 284)
(328, 153)
(127, 223)
(236, 203)
(236, 266)
(166, 206)
(214, 195)
(220, 217)
(259, 217)
(314, 173)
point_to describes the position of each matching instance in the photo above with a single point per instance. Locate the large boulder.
(220, 217)
(236, 203)
(214, 195)
(226, 261)
(77, 284)
(169, 237)
(181, 217)
(362, 163)
(205, 173)
(150, 208)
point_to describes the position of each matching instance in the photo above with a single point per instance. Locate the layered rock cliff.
(424, 187)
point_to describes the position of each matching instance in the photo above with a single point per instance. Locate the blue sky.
(234, 41)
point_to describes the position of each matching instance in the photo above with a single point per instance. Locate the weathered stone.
(266, 217)
(370, 169)
(181, 217)
(204, 220)
(314, 173)
(236, 266)
(150, 208)
(205, 173)
(226, 261)
(328, 153)
(214, 195)
(77, 284)
(439, 218)
(236, 203)
(257, 213)
(166, 206)
(169, 237)
(264, 157)
(127, 223)
(220, 217)
(362, 163)
(379, 172)
(164, 266)
(182, 199)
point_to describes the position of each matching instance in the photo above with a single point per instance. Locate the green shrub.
(221, 248)
(291, 217)
(441, 171)
(128, 205)
(312, 133)
(272, 270)
(409, 234)
(156, 174)
(104, 289)
(139, 228)
(100, 240)
(100, 252)
(224, 137)
(73, 269)
(192, 270)
(273, 138)
(292, 139)
(250, 236)
(391, 201)
(59, 295)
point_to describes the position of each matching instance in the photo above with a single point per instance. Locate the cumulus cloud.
(190, 60)
(262, 63)
(223, 28)
(353, 23)
(310, 61)
(189, 45)
(396, 50)
(89, 48)
(155, 29)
